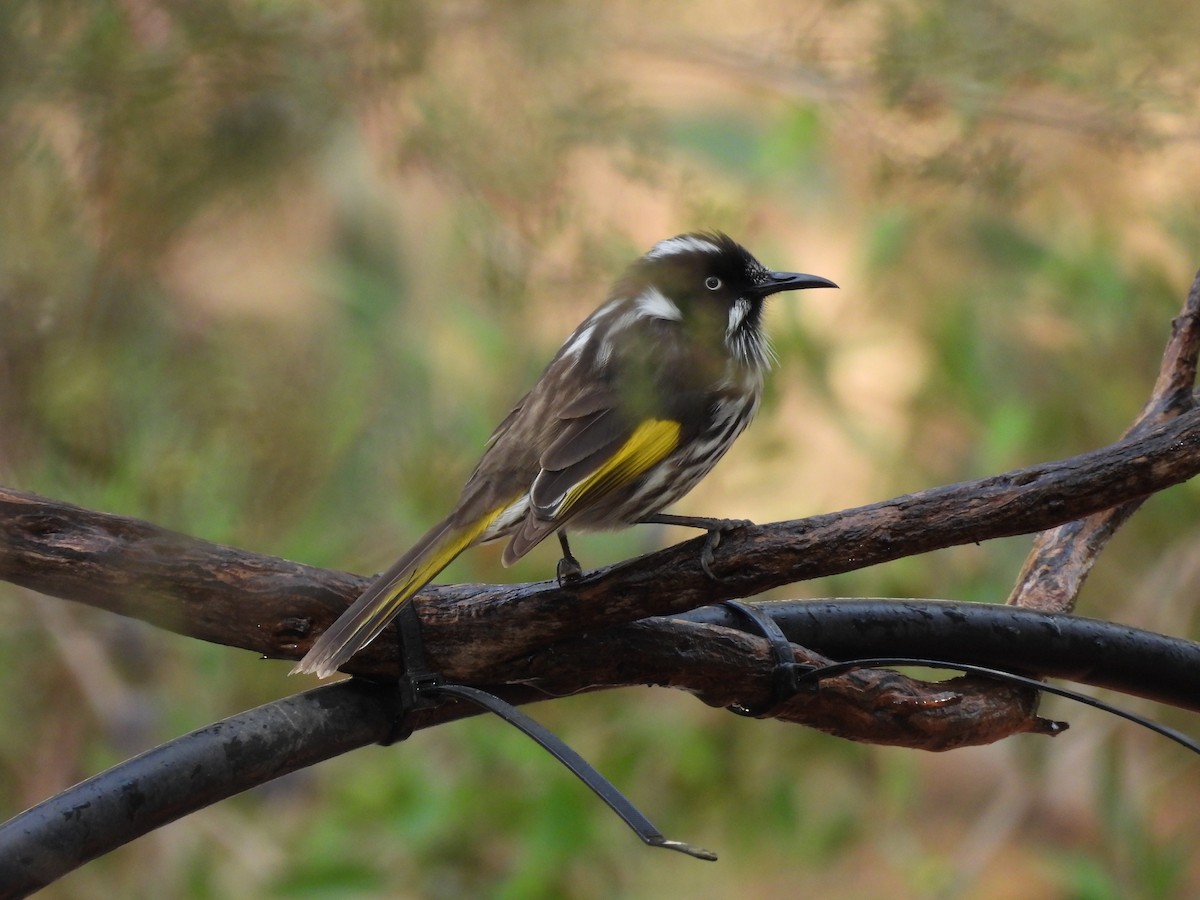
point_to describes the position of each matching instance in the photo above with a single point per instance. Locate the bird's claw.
(713, 540)
(569, 571)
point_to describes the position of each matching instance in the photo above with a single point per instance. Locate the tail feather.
(379, 603)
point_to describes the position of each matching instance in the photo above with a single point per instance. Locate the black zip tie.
(580, 767)
(417, 683)
(419, 688)
(838, 668)
(785, 676)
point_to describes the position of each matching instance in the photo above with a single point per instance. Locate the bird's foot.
(569, 570)
(715, 528)
(712, 541)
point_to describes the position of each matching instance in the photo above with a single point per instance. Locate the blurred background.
(270, 272)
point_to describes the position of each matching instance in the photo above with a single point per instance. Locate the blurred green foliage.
(270, 272)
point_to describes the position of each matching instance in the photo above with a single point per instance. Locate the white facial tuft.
(685, 243)
(737, 315)
(749, 346)
(654, 304)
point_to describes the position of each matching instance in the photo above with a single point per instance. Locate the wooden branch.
(275, 607)
(724, 667)
(1061, 558)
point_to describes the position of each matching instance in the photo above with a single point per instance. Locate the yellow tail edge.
(362, 622)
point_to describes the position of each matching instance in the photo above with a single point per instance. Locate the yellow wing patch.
(649, 445)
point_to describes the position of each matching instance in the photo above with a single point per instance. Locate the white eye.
(712, 282)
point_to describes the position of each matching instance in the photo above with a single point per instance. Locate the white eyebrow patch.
(654, 304)
(683, 244)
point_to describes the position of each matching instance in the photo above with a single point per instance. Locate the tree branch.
(1061, 558)
(275, 607)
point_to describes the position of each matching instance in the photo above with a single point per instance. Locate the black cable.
(420, 688)
(580, 767)
(1072, 648)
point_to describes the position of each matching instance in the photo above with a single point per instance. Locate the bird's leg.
(714, 527)
(569, 568)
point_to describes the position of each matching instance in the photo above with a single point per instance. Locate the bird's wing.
(596, 454)
(618, 426)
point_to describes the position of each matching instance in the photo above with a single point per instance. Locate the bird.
(636, 407)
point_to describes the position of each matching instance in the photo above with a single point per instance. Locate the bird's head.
(715, 288)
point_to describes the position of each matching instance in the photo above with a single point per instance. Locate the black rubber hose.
(100, 814)
(181, 776)
(1073, 648)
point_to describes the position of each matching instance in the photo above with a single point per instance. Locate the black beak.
(790, 281)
